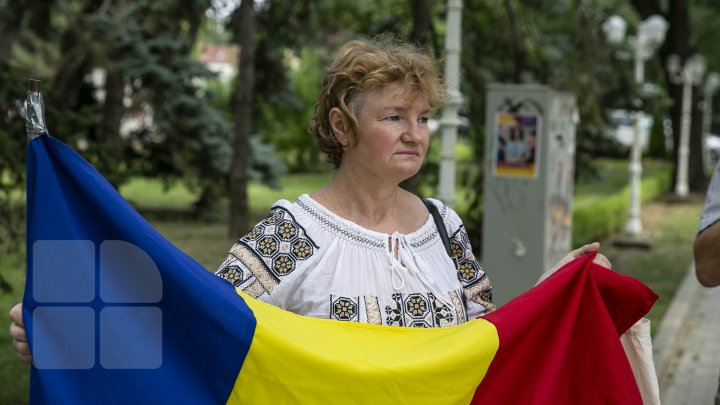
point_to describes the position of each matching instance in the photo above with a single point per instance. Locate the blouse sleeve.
(711, 210)
(476, 283)
(262, 259)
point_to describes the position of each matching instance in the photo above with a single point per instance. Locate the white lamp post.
(650, 35)
(688, 75)
(450, 121)
(712, 84)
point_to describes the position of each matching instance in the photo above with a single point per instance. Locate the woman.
(361, 248)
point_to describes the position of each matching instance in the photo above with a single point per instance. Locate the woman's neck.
(378, 207)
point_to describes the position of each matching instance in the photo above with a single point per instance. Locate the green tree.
(121, 83)
(286, 114)
(691, 31)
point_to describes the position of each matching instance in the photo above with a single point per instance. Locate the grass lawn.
(14, 377)
(149, 194)
(614, 176)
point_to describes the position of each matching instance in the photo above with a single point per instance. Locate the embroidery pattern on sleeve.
(270, 251)
(473, 278)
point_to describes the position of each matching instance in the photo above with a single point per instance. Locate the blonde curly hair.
(365, 65)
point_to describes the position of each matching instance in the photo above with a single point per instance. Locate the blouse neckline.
(345, 227)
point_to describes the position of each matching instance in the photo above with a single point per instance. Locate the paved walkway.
(687, 345)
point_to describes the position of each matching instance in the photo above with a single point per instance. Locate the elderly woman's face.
(393, 134)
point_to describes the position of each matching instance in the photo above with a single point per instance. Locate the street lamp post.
(690, 74)
(650, 35)
(450, 120)
(712, 84)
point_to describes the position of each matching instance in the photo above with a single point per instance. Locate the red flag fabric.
(561, 346)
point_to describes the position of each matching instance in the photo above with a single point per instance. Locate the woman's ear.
(339, 126)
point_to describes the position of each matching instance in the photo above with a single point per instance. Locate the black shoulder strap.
(439, 225)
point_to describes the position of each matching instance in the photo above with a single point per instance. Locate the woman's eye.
(423, 120)
(393, 118)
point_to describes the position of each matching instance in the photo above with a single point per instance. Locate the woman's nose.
(413, 132)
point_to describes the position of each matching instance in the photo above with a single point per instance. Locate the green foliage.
(286, 115)
(13, 144)
(15, 376)
(265, 166)
(149, 45)
(555, 43)
(599, 214)
(180, 127)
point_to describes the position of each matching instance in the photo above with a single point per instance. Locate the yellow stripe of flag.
(297, 359)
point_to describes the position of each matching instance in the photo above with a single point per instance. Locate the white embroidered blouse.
(307, 260)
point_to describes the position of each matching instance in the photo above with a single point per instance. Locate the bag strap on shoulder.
(439, 225)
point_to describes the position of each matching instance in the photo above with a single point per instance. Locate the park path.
(687, 345)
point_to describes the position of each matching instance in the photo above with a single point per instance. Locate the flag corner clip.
(34, 111)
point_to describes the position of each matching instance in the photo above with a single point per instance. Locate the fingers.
(22, 349)
(17, 332)
(594, 247)
(601, 260)
(16, 314)
(583, 250)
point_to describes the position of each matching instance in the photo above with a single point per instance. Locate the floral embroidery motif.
(268, 252)
(417, 305)
(280, 241)
(267, 246)
(302, 249)
(456, 249)
(274, 216)
(254, 233)
(466, 271)
(283, 264)
(473, 278)
(423, 310)
(287, 230)
(233, 274)
(344, 309)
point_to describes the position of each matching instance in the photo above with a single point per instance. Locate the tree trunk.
(422, 19)
(113, 107)
(697, 179)
(244, 88)
(108, 129)
(10, 28)
(516, 50)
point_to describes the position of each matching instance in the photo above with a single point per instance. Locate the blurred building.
(221, 59)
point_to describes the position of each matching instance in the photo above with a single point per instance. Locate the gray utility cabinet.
(528, 170)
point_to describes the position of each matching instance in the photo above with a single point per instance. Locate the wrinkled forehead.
(400, 93)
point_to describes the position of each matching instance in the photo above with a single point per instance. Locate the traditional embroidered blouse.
(307, 260)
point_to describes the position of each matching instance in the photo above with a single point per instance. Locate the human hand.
(599, 259)
(18, 335)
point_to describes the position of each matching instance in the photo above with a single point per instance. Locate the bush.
(599, 218)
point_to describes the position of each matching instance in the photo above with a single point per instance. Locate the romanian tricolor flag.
(116, 314)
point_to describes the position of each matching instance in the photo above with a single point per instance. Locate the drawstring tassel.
(402, 259)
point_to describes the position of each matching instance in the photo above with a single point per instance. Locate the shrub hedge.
(601, 217)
